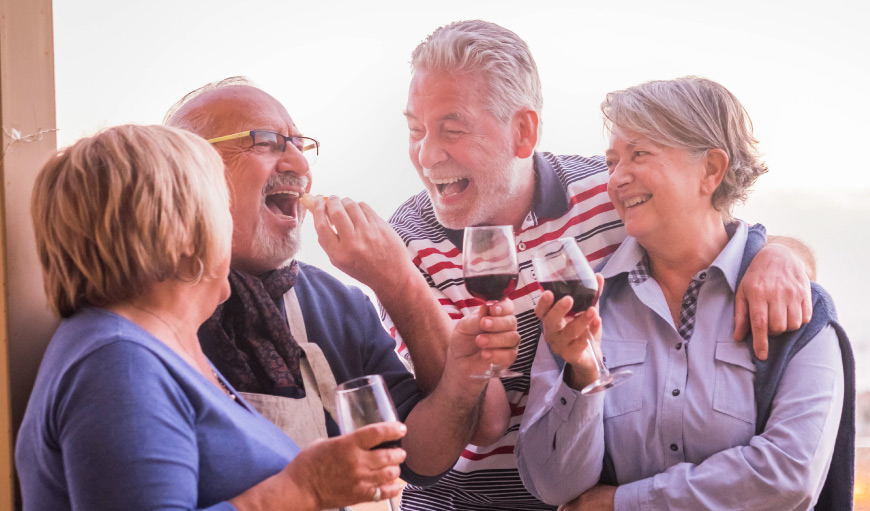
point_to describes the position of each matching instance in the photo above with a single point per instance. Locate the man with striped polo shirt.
(473, 113)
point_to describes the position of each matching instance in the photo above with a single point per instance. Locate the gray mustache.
(282, 179)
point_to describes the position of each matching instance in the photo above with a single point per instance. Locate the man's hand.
(487, 337)
(774, 297)
(360, 243)
(442, 424)
(597, 498)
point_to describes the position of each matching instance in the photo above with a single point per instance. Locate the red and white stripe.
(592, 220)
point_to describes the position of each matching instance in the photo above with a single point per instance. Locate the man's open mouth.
(282, 203)
(450, 186)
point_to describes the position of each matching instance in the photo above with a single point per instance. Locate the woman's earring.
(196, 278)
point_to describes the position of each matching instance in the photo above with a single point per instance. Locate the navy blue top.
(117, 420)
(344, 323)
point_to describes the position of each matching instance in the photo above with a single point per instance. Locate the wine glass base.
(606, 382)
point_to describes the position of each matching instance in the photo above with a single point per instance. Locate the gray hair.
(196, 119)
(481, 46)
(696, 114)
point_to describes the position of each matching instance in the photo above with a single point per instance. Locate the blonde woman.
(133, 231)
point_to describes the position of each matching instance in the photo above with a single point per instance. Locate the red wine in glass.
(562, 268)
(490, 269)
(491, 288)
(584, 297)
(391, 444)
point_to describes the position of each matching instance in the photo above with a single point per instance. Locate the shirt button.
(679, 345)
(521, 245)
(676, 392)
(674, 447)
(563, 400)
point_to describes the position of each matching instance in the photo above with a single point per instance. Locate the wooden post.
(27, 117)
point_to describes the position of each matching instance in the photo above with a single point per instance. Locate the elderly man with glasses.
(289, 333)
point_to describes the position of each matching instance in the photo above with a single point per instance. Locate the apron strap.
(323, 375)
(303, 420)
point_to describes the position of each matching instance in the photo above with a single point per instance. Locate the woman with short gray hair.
(684, 432)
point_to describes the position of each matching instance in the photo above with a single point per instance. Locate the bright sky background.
(801, 69)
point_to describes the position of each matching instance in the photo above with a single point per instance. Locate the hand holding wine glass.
(363, 401)
(490, 270)
(562, 269)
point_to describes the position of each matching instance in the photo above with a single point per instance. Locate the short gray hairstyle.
(483, 47)
(696, 114)
(196, 120)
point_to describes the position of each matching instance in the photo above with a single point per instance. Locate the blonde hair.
(482, 47)
(116, 212)
(695, 114)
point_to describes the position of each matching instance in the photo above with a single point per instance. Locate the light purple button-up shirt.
(681, 430)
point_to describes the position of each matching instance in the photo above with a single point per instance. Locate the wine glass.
(562, 269)
(489, 267)
(363, 401)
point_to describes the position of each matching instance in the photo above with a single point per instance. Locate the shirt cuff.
(633, 496)
(570, 405)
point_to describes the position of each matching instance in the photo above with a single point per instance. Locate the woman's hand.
(567, 335)
(333, 473)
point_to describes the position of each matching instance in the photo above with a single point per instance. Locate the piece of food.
(308, 200)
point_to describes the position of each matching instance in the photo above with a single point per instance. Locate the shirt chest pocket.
(733, 392)
(619, 356)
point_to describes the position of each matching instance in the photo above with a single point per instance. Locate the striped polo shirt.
(570, 200)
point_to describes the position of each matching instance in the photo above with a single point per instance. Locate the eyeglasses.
(269, 142)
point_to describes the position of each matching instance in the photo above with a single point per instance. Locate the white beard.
(276, 252)
(496, 193)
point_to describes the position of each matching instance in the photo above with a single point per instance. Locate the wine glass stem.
(603, 372)
(493, 368)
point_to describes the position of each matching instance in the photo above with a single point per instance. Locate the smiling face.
(465, 156)
(656, 189)
(264, 185)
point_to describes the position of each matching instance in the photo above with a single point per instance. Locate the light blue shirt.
(681, 430)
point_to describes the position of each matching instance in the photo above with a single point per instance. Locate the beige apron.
(301, 419)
